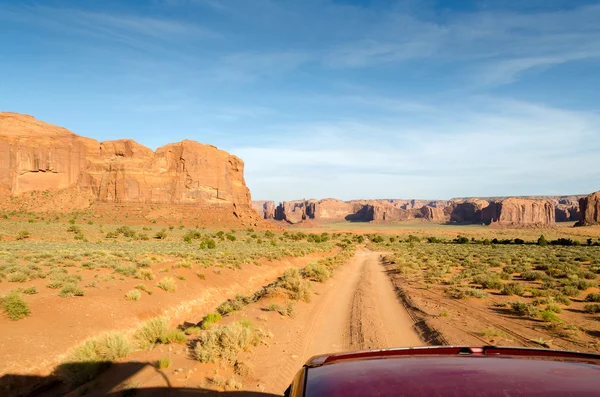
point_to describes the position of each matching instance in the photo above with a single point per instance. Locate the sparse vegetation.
(223, 343)
(133, 295)
(163, 363)
(209, 320)
(167, 284)
(15, 306)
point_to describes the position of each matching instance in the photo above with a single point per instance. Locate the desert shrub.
(144, 274)
(224, 343)
(562, 299)
(488, 282)
(466, 292)
(152, 332)
(593, 297)
(550, 317)
(231, 237)
(144, 288)
(163, 363)
(193, 330)
(233, 384)
(525, 309)
(161, 235)
(17, 277)
(201, 276)
(532, 276)
(133, 295)
(233, 305)
(209, 320)
(70, 290)
(592, 308)
(30, 290)
(461, 240)
(298, 287)
(513, 289)
(571, 291)
(126, 270)
(542, 241)
(23, 234)
(242, 369)
(174, 336)
(553, 307)
(143, 236)
(208, 243)
(87, 360)
(15, 306)
(287, 310)
(168, 284)
(316, 272)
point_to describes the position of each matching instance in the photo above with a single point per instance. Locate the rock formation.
(265, 208)
(503, 212)
(519, 212)
(36, 156)
(467, 211)
(590, 210)
(434, 214)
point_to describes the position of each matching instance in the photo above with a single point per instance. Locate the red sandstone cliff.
(36, 156)
(590, 210)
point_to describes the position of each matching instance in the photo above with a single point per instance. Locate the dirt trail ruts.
(356, 310)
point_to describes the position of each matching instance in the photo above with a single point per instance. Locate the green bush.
(570, 291)
(133, 295)
(209, 320)
(317, 272)
(466, 292)
(87, 360)
(513, 289)
(15, 306)
(163, 363)
(488, 282)
(168, 284)
(550, 317)
(161, 235)
(593, 297)
(295, 284)
(525, 309)
(224, 343)
(152, 332)
(592, 308)
(23, 234)
(70, 290)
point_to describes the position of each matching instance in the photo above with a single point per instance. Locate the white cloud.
(479, 148)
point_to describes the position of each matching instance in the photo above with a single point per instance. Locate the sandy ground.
(358, 309)
(35, 344)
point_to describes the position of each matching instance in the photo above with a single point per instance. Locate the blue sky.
(345, 99)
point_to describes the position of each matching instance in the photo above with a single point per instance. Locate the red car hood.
(414, 372)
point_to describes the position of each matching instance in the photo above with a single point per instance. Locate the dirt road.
(357, 309)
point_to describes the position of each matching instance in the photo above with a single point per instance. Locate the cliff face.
(520, 212)
(590, 210)
(36, 156)
(509, 212)
(467, 211)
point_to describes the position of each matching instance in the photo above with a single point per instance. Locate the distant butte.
(498, 212)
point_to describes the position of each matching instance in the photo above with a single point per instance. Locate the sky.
(320, 98)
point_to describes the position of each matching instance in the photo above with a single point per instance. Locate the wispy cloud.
(492, 143)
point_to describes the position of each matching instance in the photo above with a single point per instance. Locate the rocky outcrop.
(518, 212)
(590, 210)
(434, 214)
(265, 208)
(467, 211)
(36, 156)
